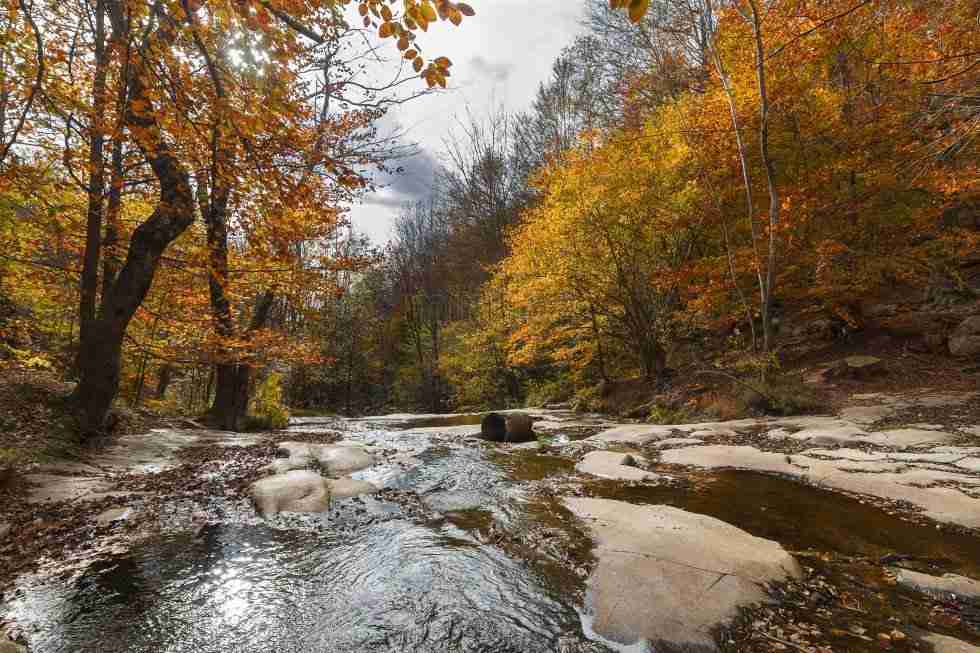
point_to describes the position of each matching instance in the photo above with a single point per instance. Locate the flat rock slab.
(50, 487)
(672, 443)
(666, 575)
(943, 644)
(635, 434)
(614, 465)
(908, 438)
(935, 491)
(300, 490)
(942, 586)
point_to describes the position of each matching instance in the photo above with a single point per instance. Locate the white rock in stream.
(302, 490)
(668, 575)
(614, 465)
(334, 459)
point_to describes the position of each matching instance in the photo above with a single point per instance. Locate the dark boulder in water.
(514, 427)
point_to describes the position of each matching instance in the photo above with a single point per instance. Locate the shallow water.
(368, 576)
(468, 549)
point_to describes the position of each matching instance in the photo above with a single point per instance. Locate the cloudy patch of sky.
(500, 57)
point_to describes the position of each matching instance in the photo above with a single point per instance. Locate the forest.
(695, 181)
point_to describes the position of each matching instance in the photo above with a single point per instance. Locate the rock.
(857, 367)
(334, 459)
(936, 491)
(667, 577)
(4, 530)
(296, 491)
(341, 488)
(939, 586)
(636, 434)
(880, 310)
(943, 644)
(6, 646)
(618, 466)
(510, 427)
(673, 443)
(965, 340)
(113, 515)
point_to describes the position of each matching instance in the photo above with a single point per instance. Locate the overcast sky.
(499, 58)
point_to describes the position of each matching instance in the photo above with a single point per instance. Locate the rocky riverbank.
(847, 532)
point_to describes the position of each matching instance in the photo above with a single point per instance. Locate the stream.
(466, 548)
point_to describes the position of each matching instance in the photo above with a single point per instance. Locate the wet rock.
(510, 427)
(636, 434)
(6, 646)
(667, 576)
(348, 487)
(944, 644)
(334, 459)
(940, 586)
(113, 515)
(613, 465)
(965, 340)
(296, 491)
(936, 491)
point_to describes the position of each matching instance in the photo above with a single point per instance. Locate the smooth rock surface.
(347, 487)
(636, 434)
(960, 586)
(296, 491)
(334, 459)
(944, 644)
(113, 515)
(667, 575)
(614, 465)
(935, 491)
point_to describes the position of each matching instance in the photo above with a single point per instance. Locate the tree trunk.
(163, 379)
(89, 289)
(230, 396)
(100, 347)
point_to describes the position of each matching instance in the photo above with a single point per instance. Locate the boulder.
(858, 367)
(965, 340)
(666, 577)
(300, 490)
(510, 427)
(334, 459)
(613, 465)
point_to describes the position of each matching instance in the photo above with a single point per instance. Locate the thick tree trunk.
(100, 348)
(163, 379)
(230, 396)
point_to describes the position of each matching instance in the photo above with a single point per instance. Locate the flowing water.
(462, 551)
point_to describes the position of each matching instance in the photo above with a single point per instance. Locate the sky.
(499, 56)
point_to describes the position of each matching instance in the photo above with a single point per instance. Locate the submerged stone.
(668, 576)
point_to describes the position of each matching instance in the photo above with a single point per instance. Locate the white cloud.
(500, 57)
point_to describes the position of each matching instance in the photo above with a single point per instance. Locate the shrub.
(268, 411)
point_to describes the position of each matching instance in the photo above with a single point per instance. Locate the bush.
(785, 395)
(268, 412)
